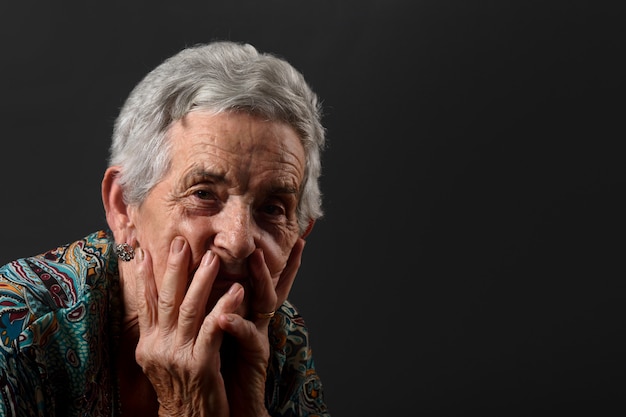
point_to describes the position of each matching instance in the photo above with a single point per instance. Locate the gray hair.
(221, 76)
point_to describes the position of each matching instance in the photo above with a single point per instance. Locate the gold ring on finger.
(264, 315)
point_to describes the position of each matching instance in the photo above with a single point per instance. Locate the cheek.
(276, 259)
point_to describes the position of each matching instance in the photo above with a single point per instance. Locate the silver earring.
(124, 251)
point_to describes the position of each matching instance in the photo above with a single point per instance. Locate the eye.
(273, 210)
(204, 195)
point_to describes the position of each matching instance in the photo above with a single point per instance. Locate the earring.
(124, 251)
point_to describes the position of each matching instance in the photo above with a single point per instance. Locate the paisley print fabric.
(58, 331)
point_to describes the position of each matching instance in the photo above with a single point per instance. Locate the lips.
(225, 280)
(232, 272)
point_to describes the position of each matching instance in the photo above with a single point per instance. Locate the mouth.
(222, 284)
(225, 280)
(226, 276)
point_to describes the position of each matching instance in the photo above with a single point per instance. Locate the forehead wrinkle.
(286, 164)
(225, 151)
(213, 155)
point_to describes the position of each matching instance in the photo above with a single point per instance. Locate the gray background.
(471, 261)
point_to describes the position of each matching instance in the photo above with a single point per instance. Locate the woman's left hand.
(246, 353)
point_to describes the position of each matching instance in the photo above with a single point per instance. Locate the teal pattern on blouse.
(59, 322)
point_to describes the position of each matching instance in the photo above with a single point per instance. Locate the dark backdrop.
(471, 260)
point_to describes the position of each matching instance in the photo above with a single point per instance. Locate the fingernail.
(207, 258)
(139, 255)
(234, 289)
(177, 245)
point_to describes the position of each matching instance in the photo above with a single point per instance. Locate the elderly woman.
(180, 308)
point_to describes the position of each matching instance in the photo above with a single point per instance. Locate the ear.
(116, 210)
(308, 229)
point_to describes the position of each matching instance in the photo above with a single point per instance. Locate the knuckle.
(166, 304)
(187, 312)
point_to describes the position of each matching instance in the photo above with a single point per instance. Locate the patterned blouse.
(59, 321)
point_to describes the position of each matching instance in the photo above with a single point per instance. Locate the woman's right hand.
(179, 345)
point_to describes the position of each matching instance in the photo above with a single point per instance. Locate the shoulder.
(289, 338)
(293, 386)
(58, 279)
(288, 326)
(70, 265)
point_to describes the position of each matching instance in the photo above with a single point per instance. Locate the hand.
(179, 346)
(245, 356)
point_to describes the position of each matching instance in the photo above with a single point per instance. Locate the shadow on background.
(471, 256)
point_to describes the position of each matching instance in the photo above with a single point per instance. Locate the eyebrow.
(221, 179)
(206, 175)
(282, 190)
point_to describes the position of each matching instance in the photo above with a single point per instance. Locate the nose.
(235, 233)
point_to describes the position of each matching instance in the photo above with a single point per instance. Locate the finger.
(146, 294)
(263, 299)
(173, 285)
(210, 334)
(192, 310)
(252, 345)
(288, 276)
(243, 330)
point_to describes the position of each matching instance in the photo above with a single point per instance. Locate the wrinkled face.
(233, 186)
